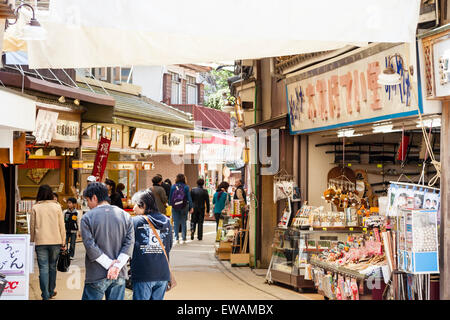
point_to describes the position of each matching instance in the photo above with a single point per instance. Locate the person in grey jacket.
(108, 236)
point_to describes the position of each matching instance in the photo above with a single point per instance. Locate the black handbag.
(63, 261)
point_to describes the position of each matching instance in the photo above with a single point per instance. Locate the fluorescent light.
(430, 123)
(383, 128)
(347, 133)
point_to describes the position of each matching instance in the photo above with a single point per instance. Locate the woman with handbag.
(150, 269)
(48, 232)
(221, 200)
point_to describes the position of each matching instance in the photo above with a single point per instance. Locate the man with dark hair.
(200, 200)
(159, 194)
(108, 235)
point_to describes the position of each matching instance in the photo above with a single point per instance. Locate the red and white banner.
(101, 158)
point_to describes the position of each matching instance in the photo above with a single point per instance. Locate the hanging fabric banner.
(101, 158)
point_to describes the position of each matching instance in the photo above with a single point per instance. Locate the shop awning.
(16, 80)
(91, 33)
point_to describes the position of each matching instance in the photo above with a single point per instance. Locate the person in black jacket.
(116, 200)
(200, 200)
(167, 184)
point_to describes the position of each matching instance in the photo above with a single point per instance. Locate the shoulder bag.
(172, 282)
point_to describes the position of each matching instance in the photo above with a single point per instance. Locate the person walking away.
(220, 200)
(167, 184)
(48, 232)
(108, 236)
(71, 224)
(116, 200)
(150, 271)
(120, 187)
(200, 201)
(181, 202)
(159, 194)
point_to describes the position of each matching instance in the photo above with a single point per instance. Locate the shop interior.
(348, 241)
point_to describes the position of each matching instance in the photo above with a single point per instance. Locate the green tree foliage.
(216, 88)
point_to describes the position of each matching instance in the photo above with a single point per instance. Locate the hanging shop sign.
(148, 165)
(115, 165)
(170, 142)
(16, 264)
(101, 158)
(91, 133)
(344, 91)
(67, 130)
(144, 139)
(46, 122)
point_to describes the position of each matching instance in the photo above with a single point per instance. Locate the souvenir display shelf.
(292, 249)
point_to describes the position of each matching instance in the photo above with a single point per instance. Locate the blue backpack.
(179, 197)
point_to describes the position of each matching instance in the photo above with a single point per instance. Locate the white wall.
(151, 81)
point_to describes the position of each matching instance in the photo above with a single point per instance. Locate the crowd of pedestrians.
(112, 237)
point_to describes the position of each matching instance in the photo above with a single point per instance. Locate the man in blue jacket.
(150, 271)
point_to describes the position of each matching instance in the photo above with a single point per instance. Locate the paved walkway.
(199, 274)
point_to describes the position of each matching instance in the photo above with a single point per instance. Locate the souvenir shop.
(50, 150)
(368, 226)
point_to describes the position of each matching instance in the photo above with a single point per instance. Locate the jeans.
(111, 289)
(47, 257)
(179, 217)
(72, 237)
(152, 290)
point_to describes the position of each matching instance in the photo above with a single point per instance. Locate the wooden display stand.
(223, 252)
(240, 259)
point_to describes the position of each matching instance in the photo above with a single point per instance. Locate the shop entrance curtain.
(99, 33)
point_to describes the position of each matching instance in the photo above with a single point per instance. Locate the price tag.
(351, 229)
(379, 166)
(364, 229)
(324, 229)
(349, 164)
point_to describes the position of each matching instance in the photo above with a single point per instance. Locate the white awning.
(97, 33)
(18, 114)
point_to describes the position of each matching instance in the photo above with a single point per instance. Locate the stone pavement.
(200, 276)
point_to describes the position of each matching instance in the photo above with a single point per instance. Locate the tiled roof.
(142, 108)
(210, 118)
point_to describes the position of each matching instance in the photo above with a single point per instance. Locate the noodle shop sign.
(344, 91)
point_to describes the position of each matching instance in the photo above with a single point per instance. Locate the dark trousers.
(198, 216)
(71, 238)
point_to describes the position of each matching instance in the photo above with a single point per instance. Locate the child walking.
(71, 222)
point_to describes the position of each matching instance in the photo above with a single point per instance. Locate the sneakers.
(182, 241)
(177, 241)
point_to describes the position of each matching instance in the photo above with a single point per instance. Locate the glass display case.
(290, 255)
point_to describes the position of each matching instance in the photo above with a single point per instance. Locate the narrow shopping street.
(200, 276)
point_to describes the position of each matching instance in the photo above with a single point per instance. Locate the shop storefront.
(56, 143)
(434, 49)
(13, 126)
(361, 143)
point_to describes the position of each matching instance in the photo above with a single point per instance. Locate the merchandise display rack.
(340, 270)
